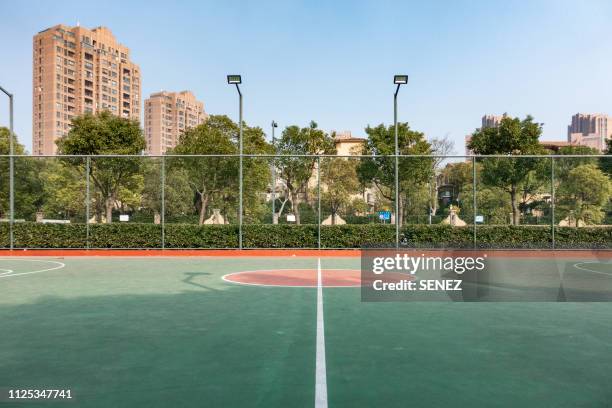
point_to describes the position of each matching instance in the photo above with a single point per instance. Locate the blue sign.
(384, 215)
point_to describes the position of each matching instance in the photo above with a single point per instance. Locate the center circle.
(308, 278)
(304, 278)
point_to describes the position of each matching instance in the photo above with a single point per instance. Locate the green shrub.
(135, 235)
(36, 235)
(4, 235)
(510, 236)
(583, 237)
(125, 235)
(279, 236)
(207, 236)
(356, 236)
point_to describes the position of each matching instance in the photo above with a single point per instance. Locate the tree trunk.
(433, 196)
(296, 208)
(109, 209)
(203, 205)
(280, 211)
(513, 200)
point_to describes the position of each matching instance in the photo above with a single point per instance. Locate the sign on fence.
(384, 215)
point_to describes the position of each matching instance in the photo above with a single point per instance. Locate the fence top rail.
(356, 156)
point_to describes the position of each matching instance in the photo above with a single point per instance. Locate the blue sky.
(333, 62)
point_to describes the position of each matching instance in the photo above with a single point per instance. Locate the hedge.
(135, 235)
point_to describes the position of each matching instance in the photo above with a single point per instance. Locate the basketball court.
(287, 328)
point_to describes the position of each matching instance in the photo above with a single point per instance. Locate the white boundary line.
(60, 265)
(320, 367)
(227, 279)
(576, 265)
(6, 271)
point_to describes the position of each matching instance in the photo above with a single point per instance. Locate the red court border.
(271, 253)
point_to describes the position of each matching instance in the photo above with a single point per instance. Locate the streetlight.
(274, 219)
(11, 167)
(399, 80)
(237, 80)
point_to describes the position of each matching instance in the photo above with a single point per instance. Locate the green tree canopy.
(512, 137)
(28, 187)
(214, 179)
(380, 168)
(585, 193)
(339, 183)
(606, 162)
(105, 134)
(5, 142)
(297, 171)
(564, 165)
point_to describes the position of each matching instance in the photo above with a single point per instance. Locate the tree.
(64, 190)
(585, 193)
(564, 165)
(439, 147)
(512, 137)
(28, 193)
(491, 204)
(460, 177)
(379, 169)
(606, 162)
(339, 182)
(296, 171)
(105, 134)
(178, 194)
(214, 178)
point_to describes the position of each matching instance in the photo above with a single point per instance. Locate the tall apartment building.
(590, 130)
(167, 115)
(77, 70)
(489, 121)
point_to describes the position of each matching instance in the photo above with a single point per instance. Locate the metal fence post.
(474, 200)
(12, 198)
(552, 199)
(319, 202)
(163, 202)
(87, 199)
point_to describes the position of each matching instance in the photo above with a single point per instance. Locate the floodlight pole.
(274, 220)
(474, 208)
(163, 202)
(11, 170)
(552, 201)
(87, 199)
(397, 217)
(240, 171)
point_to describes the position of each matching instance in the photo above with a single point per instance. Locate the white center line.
(320, 369)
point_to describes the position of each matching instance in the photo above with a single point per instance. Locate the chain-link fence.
(305, 201)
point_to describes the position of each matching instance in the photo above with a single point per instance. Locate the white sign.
(290, 217)
(480, 218)
(124, 217)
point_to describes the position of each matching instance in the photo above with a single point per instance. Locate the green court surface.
(171, 332)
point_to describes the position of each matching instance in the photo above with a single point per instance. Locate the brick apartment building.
(77, 70)
(167, 115)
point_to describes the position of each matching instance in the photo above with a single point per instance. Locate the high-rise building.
(167, 115)
(590, 130)
(489, 121)
(77, 70)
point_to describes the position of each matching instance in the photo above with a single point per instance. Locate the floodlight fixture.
(400, 79)
(234, 79)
